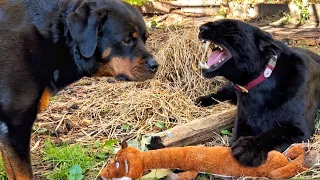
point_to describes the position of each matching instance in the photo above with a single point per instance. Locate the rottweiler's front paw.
(249, 151)
(205, 101)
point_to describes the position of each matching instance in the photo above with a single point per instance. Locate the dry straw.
(114, 110)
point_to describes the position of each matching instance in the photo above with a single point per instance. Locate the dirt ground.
(83, 112)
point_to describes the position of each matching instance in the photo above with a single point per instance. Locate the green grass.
(136, 2)
(317, 121)
(73, 162)
(3, 175)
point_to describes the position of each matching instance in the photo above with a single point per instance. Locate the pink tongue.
(215, 57)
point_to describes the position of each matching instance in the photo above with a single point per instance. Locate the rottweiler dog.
(276, 87)
(46, 45)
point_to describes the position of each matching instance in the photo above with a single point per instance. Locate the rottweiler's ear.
(83, 26)
(265, 40)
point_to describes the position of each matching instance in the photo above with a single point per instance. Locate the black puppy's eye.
(127, 41)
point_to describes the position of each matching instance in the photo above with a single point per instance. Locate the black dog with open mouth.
(45, 45)
(276, 88)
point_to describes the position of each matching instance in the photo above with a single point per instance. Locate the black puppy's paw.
(205, 101)
(248, 151)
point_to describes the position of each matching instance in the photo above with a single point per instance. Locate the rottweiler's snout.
(152, 65)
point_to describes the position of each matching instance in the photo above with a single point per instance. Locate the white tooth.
(215, 46)
(203, 65)
(205, 50)
(202, 40)
(220, 48)
(207, 46)
(200, 63)
(206, 65)
(219, 61)
(223, 59)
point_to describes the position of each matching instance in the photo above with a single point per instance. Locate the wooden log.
(197, 131)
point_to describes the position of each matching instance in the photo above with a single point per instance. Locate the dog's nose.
(203, 28)
(152, 64)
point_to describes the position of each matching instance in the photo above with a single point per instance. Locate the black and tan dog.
(276, 88)
(46, 45)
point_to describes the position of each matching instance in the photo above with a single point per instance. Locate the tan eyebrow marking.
(135, 34)
(106, 53)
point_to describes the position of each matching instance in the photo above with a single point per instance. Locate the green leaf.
(106, 110)
(97, 144)
(154, 23)
(317, 120)
(71, 177)
(110, 142)
(125, 127)
(102, 156)
(79, 177)
(109, 145)
(159, 124)
(140, 142)
(42, 130)
(75, 170)
(53, 98)
(226, 132)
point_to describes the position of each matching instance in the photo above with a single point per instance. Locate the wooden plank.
(197, 131)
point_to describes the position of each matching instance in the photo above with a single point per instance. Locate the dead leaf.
(157, 173)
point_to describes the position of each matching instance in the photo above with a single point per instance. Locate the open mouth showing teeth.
(217, 58)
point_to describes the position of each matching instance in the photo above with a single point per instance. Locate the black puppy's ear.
(265, 40)
(83, 26)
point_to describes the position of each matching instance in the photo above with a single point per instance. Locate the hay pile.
(94, 108)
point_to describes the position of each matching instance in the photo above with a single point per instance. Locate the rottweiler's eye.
(127, 41)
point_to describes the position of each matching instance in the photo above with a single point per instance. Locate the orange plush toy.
(44, 101)
(132, 163)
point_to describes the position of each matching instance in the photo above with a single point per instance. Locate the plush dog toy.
(44, 101)
(131, 163)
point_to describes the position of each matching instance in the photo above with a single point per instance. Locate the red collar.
(266, 73)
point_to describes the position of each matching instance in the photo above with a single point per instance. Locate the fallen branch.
(197, 131)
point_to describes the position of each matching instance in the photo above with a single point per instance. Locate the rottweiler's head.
(108, 39)
(239, 50)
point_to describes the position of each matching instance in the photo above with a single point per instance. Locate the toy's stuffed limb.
(288, 171)
(44, 101)
(298, 165)
(296, 150)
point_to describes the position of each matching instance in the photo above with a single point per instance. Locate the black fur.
(53, 43)
(279, 111)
